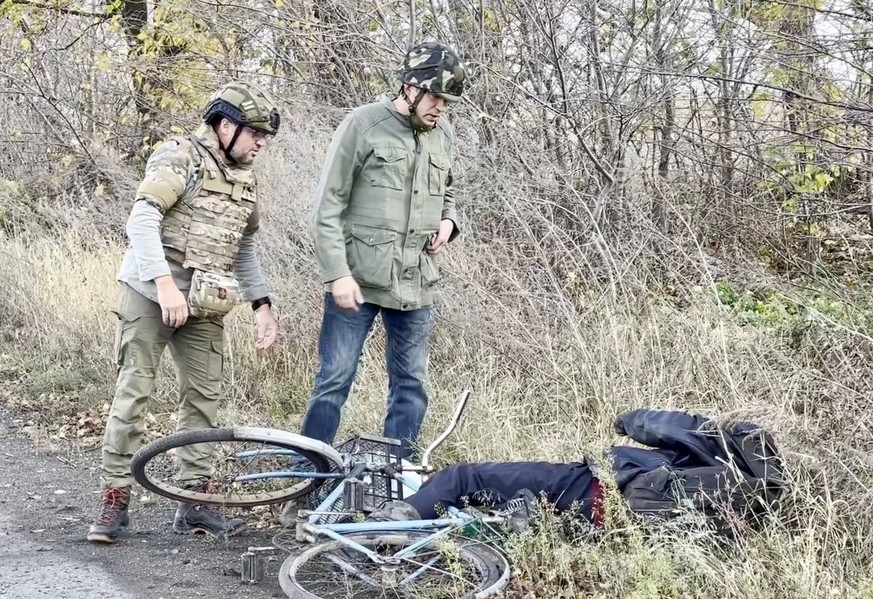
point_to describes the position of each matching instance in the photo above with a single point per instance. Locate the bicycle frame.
(365, 472)
(309, 530)
(425, 467)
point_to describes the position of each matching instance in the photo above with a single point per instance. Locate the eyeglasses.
(256, 134)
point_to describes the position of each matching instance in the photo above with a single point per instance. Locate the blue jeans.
(340, 343)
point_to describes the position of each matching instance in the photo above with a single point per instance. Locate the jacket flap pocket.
(217, 185)
(389, 153)
(373, 235)
(440, 161)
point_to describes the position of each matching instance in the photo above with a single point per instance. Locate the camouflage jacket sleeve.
(342, 165)
(171, 173)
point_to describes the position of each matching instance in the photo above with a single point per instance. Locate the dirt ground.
(48, 498)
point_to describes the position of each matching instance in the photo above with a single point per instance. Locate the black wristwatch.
(261, 301)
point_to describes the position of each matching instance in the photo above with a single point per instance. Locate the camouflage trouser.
(197, 350)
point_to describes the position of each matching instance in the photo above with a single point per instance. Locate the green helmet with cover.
(244, 104)
(436, 68)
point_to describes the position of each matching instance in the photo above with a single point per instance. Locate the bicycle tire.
(322, 457)
(492, 566)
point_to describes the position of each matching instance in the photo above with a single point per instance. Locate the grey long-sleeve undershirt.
(145, 261)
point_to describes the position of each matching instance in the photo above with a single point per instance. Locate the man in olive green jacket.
(385, 211)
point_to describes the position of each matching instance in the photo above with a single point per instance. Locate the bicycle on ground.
(336, 551)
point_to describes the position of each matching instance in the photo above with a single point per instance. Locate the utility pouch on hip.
(212, 295)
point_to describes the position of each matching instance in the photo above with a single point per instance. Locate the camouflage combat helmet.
(244, 104)
(436, 68)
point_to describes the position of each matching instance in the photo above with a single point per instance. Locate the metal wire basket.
(378, 488)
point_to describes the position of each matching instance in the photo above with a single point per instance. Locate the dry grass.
(555, 338)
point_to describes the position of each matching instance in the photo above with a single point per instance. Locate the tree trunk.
(134, 19)
(659, 207)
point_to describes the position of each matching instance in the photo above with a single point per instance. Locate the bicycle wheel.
(447, 570)
(249, 466)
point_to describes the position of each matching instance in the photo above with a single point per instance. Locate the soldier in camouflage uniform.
(385, 211)
(191, 260)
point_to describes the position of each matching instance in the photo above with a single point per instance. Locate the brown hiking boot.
(113, 515)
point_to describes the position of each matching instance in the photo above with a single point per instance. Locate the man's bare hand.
(347, 293)
(439, 241)
(268, 327)
(174, 305)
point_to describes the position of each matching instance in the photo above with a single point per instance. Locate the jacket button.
(416, 191)
(370, 240)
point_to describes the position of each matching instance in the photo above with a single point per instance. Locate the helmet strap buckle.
(417, 123)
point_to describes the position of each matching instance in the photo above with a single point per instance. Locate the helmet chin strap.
(229, 147)
(416, 121)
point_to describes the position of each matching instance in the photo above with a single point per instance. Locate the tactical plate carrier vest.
(204, 233)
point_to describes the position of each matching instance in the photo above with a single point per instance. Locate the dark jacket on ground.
(689, 461)
(694, 462)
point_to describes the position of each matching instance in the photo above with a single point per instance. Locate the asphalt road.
(48, 498)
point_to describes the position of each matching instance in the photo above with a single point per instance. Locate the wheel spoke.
(266, 452)
(429, 567)
(418, 572)
(332, 570)
(238, 471)
(350, 569)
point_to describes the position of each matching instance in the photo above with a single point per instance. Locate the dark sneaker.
(288, 517)
(113, 515)
(205, 519)
(518, 510)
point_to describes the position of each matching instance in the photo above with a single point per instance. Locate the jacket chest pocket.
(371, 258)
(388, 167)
(437, 174)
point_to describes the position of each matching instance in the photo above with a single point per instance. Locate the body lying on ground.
(689, 461)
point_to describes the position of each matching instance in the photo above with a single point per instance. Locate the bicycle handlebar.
(456, 417)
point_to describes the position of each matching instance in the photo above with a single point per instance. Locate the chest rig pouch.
(219, 216)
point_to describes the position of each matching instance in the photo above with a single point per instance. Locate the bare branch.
(63, 9)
